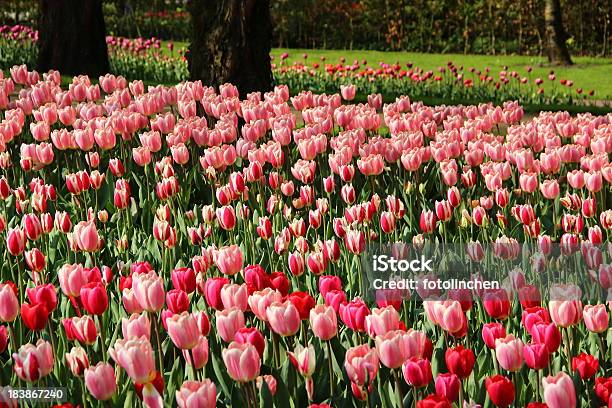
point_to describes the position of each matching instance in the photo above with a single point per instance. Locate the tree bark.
(558, 53)
(231, 42)
(72, 37)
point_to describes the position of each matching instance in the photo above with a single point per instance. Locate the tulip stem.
(332, 386)
(192, 371)
(565, 337)
(538, 381)
(159, 350)
(275, 349)
(248, 392)
(398, 389)
(495, 363)
(83, 392)
(102, 338)
(602, 346)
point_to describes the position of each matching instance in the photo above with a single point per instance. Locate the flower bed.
(154, 254)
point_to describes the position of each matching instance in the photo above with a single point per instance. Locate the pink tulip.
(136, 357)
(198, 355)
(9, 304)
(183, 330)
(549, 189)
(260, 301)
(148, 291)
(269, 380)
(448, 385)
(84, 329)
(491, 332)
(136, 326)
(509, 353)
(284, 318)
(195, 394)
(565, 306)
(559, 391)
(100, 381)
(129, 301)
(229, 321)
(234, 295)
(323, 322)
(229, 260)
(391, 348)
(382, 321)
(72, 278)
(348, 92)
(361, 364)
(596, 318)
(242, 361)
(86, 236)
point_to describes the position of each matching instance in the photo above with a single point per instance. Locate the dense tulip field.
(182, 246)
(153, 61)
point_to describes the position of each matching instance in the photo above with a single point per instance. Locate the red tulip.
(279, 281)
(33, 362)
(353, 314)
(459, 361)
(603, 389)
(417, 372)
(447, 385)
(35, 316)
(586, 365)
(94, 298)
(500, 390)
(491, 332)
(15, 241)
(252, 336)
(434, 401)
(177, 301)
(212, 292)
(303, 302)
(427, 222)
(536, 355)
(35, 260)
(496, 303)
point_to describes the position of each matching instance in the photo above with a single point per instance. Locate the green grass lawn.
(588, 73)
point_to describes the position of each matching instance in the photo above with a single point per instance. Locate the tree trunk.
(231, 42)
(72, 37)
(555, 34)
